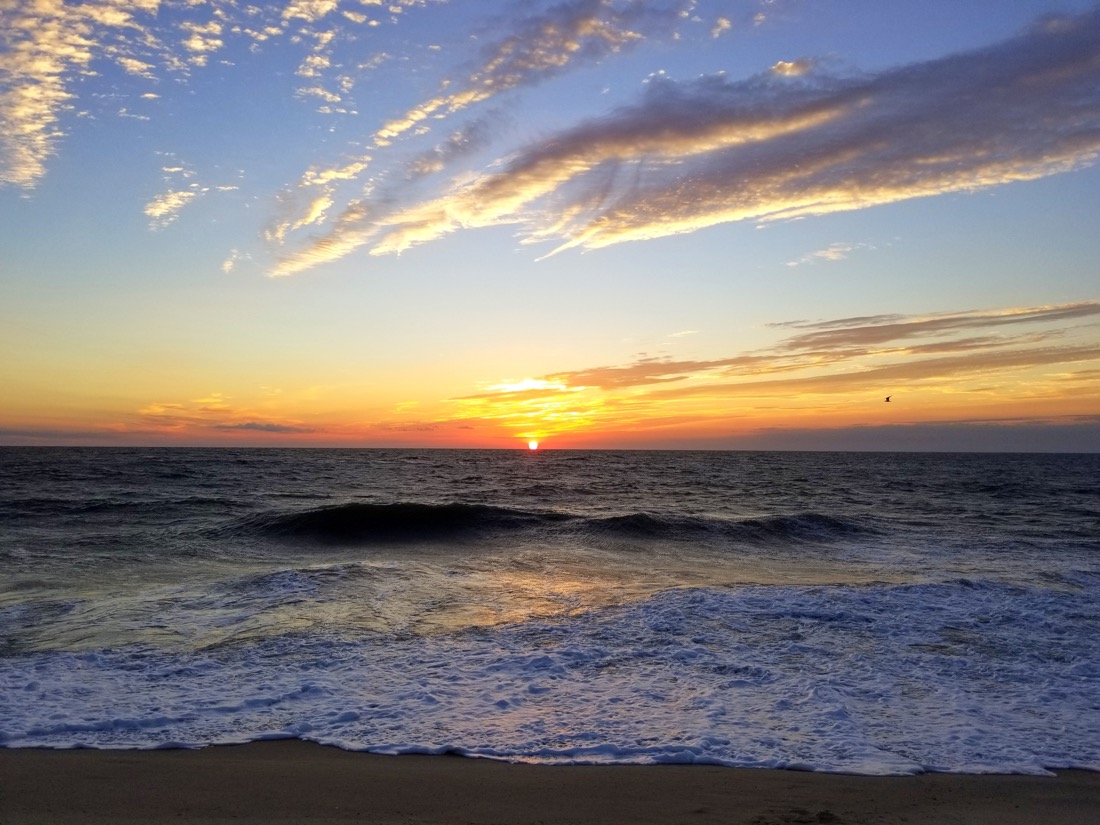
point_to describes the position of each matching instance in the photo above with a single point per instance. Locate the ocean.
(849, 612)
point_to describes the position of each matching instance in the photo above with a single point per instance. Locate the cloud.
(165, 207)
(934, 354)
(641, 373)
(318, 91)
(313, 65)
(866, 332)
(533, 49)
(234, 259)
(780, 145)
(139, 68)
(308, 202)
(792, 68)
(460, 143)
(1061, 434)
(899, 372)
(309, 10)
(181, 191)
(833, 252)
(48, 46)
(202, 38)
(38, 54)
(542, 46)
(54, 436)
(263, 427)
(212, 412)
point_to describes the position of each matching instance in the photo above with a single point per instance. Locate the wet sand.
(294, 782)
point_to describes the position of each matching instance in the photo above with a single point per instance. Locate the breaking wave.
(407, 522)
(399, 522)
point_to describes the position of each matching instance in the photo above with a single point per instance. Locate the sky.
(667, 224)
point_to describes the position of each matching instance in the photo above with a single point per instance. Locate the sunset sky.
(595, 223)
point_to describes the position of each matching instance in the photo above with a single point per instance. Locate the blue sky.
(462, 224)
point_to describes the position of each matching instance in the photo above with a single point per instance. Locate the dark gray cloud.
(1063, 434)
(472, 137)
(887, 328)
(263, 427)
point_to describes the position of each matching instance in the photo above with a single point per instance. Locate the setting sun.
(532, 445)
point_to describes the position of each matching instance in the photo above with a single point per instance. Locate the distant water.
(865, 613)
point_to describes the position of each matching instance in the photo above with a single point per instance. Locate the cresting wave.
(399, 522)
(365, 523)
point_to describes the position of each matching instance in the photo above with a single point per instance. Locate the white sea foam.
(957, 676)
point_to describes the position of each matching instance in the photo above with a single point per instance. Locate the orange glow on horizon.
(838, 383)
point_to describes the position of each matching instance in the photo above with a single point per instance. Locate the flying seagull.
(888, 398)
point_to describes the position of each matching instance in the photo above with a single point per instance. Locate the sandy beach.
(293, 781)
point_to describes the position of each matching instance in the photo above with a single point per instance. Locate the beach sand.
(295, 782)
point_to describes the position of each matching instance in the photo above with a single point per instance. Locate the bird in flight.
(888, 398)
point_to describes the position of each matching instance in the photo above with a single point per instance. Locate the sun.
(532, 445)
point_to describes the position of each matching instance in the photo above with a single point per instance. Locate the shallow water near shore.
(866, 613)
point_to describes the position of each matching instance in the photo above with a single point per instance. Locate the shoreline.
(299, 782)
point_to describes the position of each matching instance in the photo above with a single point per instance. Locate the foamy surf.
(961, 676)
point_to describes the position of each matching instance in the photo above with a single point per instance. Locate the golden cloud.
(827, 360)
(165, 208)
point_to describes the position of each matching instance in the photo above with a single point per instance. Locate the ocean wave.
(398, 522)
(770, 530)
(970, 677)
(34, 508)
(409, 522)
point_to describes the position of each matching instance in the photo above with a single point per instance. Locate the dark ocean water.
(874, 613)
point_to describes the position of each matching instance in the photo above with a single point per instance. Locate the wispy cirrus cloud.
(533, 48)
(462, 142)
(833, 252)
(542, 46)
(790, 143)
(881, 330)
